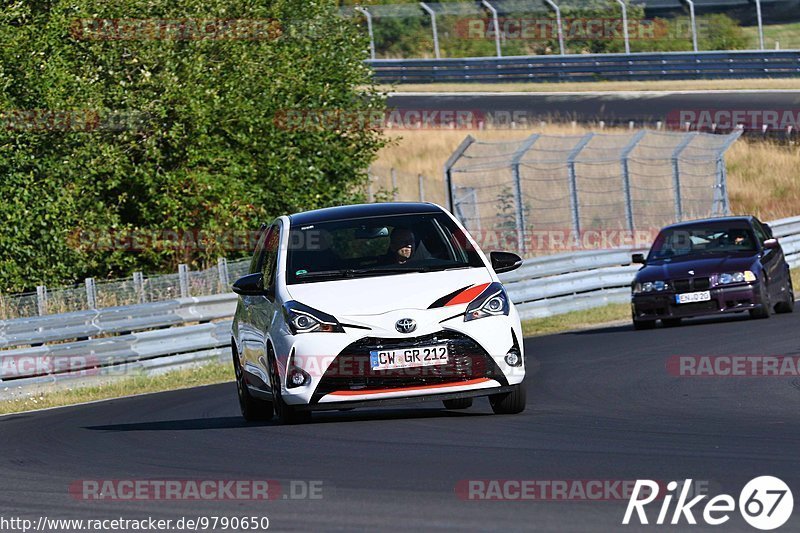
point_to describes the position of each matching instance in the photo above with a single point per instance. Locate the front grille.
(681, 285)
(352, 370)
(693, 284)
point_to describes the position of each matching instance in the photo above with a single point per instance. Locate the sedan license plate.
(691, 297)
(408, 357)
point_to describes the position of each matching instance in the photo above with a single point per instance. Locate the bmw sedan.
(708, 267)
(374, 304)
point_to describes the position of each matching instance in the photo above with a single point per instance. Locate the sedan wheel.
(287, 414)
(766, 306)
(252, 409)
(787, 306)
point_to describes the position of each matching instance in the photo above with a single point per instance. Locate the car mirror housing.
(638, 259)
(505, 261)
(771, 244)
(250, 285)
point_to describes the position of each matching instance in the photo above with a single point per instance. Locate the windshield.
(377, 246)
(701, 240)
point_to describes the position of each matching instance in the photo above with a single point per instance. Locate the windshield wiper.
(354, 272)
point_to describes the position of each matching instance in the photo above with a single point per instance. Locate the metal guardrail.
(592, 67)
(92, 347)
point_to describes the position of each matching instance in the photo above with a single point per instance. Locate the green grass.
(788, 35)
(179, 379)
(577, 320)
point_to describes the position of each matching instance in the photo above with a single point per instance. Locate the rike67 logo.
(765, 503)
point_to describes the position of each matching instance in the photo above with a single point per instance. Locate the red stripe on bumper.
(403, 389)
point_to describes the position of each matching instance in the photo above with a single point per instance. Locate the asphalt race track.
(617, 107)
(601, 406)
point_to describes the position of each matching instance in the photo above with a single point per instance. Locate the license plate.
(408, 357)
(690, 297)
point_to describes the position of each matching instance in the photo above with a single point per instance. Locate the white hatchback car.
(374, 304)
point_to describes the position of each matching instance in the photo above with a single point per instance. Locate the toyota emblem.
(405, 325)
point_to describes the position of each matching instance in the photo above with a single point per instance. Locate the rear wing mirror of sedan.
(638, 259)
(505, 261)
(250, 285)
(771, 244)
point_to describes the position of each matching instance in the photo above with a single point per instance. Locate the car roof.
(715, 220)
(362, 211)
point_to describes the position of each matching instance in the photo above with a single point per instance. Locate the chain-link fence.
(128, 291)
(548, 193)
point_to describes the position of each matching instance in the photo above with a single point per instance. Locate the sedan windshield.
(702, 240)
(377, 246)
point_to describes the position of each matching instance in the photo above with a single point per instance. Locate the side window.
(761, 234)
(269, 264)
(258, 254)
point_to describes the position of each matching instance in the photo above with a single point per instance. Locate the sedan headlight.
(736, 277)
(304, 319)
(493, 301)
(650, 286)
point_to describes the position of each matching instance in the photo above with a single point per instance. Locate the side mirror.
(505, 261)
(771, 244)
(638, 259)
(250, 285)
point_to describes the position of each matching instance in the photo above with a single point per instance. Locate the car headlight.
(304, 319)
(650, 286)
(736, 277)
(493, 301)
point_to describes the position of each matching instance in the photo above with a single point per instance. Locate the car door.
(263, 309)
(773, 262)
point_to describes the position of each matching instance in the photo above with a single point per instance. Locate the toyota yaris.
(708, 267)
(370, 305)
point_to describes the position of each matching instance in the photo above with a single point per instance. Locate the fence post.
(432, 13)
(138, 284)
(626, 178)
(421, 188)
(573, 185)
(760, 25)
(625, 26)
(558, 25)
(448, 167)
(91, 293)
(224, 278)
(520, 207)
(676, 174)
(41, 299)
(496, 25)
(721, 205)
(367, 14)
(394, 183)
(183, 277)
(694, 24)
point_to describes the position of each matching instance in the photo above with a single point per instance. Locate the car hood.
(383, 294)
(701, 265)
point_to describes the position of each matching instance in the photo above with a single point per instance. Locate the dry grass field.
(763, 177)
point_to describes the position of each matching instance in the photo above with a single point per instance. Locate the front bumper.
(726, 299)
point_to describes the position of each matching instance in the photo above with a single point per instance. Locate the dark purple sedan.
(709, 267)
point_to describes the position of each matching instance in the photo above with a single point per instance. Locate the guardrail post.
(694, 24)
(367, 14)
(520, 211)
(183, 277)
(432, 13)
(573, 185)
(760, 25)
(224, 278)
(448, 168)
(496, 25)
(676, 174)
(558, 25)
(138, 284)
(41, 299)
(625, 26)
(421, 188)
(91, 293)
(626, 179)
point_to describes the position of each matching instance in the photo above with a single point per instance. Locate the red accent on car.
(401, 389)
(466, 296)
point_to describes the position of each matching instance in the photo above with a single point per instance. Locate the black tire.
(787, 306)
(509, 403)
(643, 324)
(671, 322)
(766, 306)
(458, 403)
(253, 409)
(287, 414)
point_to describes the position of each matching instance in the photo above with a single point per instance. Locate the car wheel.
(253, 409)
(509, 403)
(643, 324)
(787, 306)
(458, 403)
(287, 414)
(671, 322)
(766, 306)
